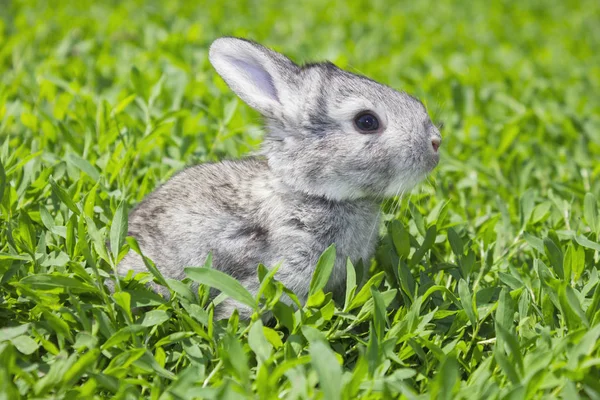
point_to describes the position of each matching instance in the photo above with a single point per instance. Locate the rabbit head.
(331, 133)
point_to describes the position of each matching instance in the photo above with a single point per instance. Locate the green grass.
(486, 281)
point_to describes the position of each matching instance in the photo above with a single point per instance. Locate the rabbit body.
(336, 144)
(238, 211)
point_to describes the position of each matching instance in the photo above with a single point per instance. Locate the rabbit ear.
(259, 76)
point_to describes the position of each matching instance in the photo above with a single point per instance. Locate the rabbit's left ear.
(261, 77)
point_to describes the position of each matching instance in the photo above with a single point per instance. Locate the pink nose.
(435, 143)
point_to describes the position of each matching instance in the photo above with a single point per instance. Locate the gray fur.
(319, 181)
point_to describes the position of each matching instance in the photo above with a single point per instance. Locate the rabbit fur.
(317, 180)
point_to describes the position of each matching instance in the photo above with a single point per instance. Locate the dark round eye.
(366, 122)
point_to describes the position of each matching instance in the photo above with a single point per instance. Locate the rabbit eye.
(366, 122)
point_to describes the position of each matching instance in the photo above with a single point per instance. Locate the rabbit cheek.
(319, 123)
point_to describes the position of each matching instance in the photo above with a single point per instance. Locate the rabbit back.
(201, 209)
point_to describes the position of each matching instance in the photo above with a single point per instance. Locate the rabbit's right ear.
(259, 76)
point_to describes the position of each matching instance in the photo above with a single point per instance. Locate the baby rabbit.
(336, 144)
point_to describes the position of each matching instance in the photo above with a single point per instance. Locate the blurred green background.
(102, 101)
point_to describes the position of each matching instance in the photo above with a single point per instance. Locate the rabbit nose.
(435, 143)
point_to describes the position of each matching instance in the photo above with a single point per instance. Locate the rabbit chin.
(344, 191)
(402, 184)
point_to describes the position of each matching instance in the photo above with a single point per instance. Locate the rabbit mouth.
(434, 161)
(431, 156)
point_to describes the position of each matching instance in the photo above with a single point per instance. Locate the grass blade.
(118, 230)
(223, 282)
(323, 270)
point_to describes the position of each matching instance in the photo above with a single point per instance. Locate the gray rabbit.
(336, 144)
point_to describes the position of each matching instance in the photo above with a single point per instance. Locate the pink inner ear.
(258, 75)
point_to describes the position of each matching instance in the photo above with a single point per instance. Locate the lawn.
(486, 279)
